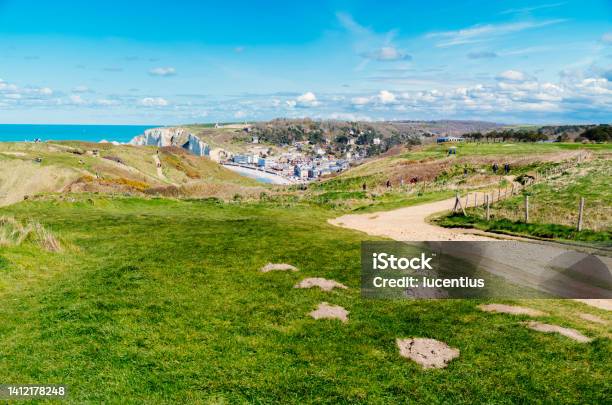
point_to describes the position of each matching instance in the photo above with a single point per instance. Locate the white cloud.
(163, 71)
(360, 100)
(45, 91)
(387, 54)
(347, 21)
(153, 102)
(607, 37)
(526, 10)
(307, 99)
(104, 102)
(240, 114)
(512, 75)
(485, 32)
(348, 117)
(372, 45)
(386, 97)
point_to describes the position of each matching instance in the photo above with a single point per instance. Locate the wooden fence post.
(467, 200)
(458, 205)
(526, 209)
(475, 200)
(488, 206)
(580, 211)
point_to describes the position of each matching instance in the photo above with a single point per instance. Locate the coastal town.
(298, 163)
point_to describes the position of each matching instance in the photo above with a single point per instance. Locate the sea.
(87, 133)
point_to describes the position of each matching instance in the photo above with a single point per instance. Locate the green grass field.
(161, 301)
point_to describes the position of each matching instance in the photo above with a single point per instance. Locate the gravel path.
(523, 264)
(407, 224)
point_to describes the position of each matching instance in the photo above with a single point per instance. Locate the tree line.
(594, 133)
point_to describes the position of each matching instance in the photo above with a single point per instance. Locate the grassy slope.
(381, 165)
(161, 301)
(553, 207)
(21, 175)
(345, 190)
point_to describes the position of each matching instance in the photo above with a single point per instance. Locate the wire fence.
(503, 203)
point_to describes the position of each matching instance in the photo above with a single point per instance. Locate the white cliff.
(172, 136)
(196, 146)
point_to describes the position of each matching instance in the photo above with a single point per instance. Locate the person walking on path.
(495, 168)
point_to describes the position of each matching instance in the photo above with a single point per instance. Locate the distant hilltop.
(172, 136)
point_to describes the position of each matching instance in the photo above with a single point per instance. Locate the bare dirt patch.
(326, 311)
(323, 283)
(429, 353)
(277, 267)
(598, 303)
(511, 309)
(592, 318)
(567, 332)
(407, 224)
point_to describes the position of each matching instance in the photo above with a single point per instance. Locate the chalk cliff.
(172, 136)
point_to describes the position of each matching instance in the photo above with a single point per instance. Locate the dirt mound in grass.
(429, 353)
(277, 267)
(511, 309)
(323, 283)
(568, 332)
(592, 318)
(326, 311)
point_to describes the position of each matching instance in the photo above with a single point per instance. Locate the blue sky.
(159, 62)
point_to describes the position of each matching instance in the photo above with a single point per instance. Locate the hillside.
(427, 173)
(332, 135)
(433, 163)
(28, 169)
(553, 206)
(187, 317)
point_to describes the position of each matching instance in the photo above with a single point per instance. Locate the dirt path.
(158, 166)
(524, 264)
(408, 224)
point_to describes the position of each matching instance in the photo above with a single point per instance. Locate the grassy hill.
(416, 160)
(30, 168)
(439, 175)
(118, 292)
(554, 206)
(161, 301)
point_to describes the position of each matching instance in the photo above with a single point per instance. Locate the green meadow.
(161, 301)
